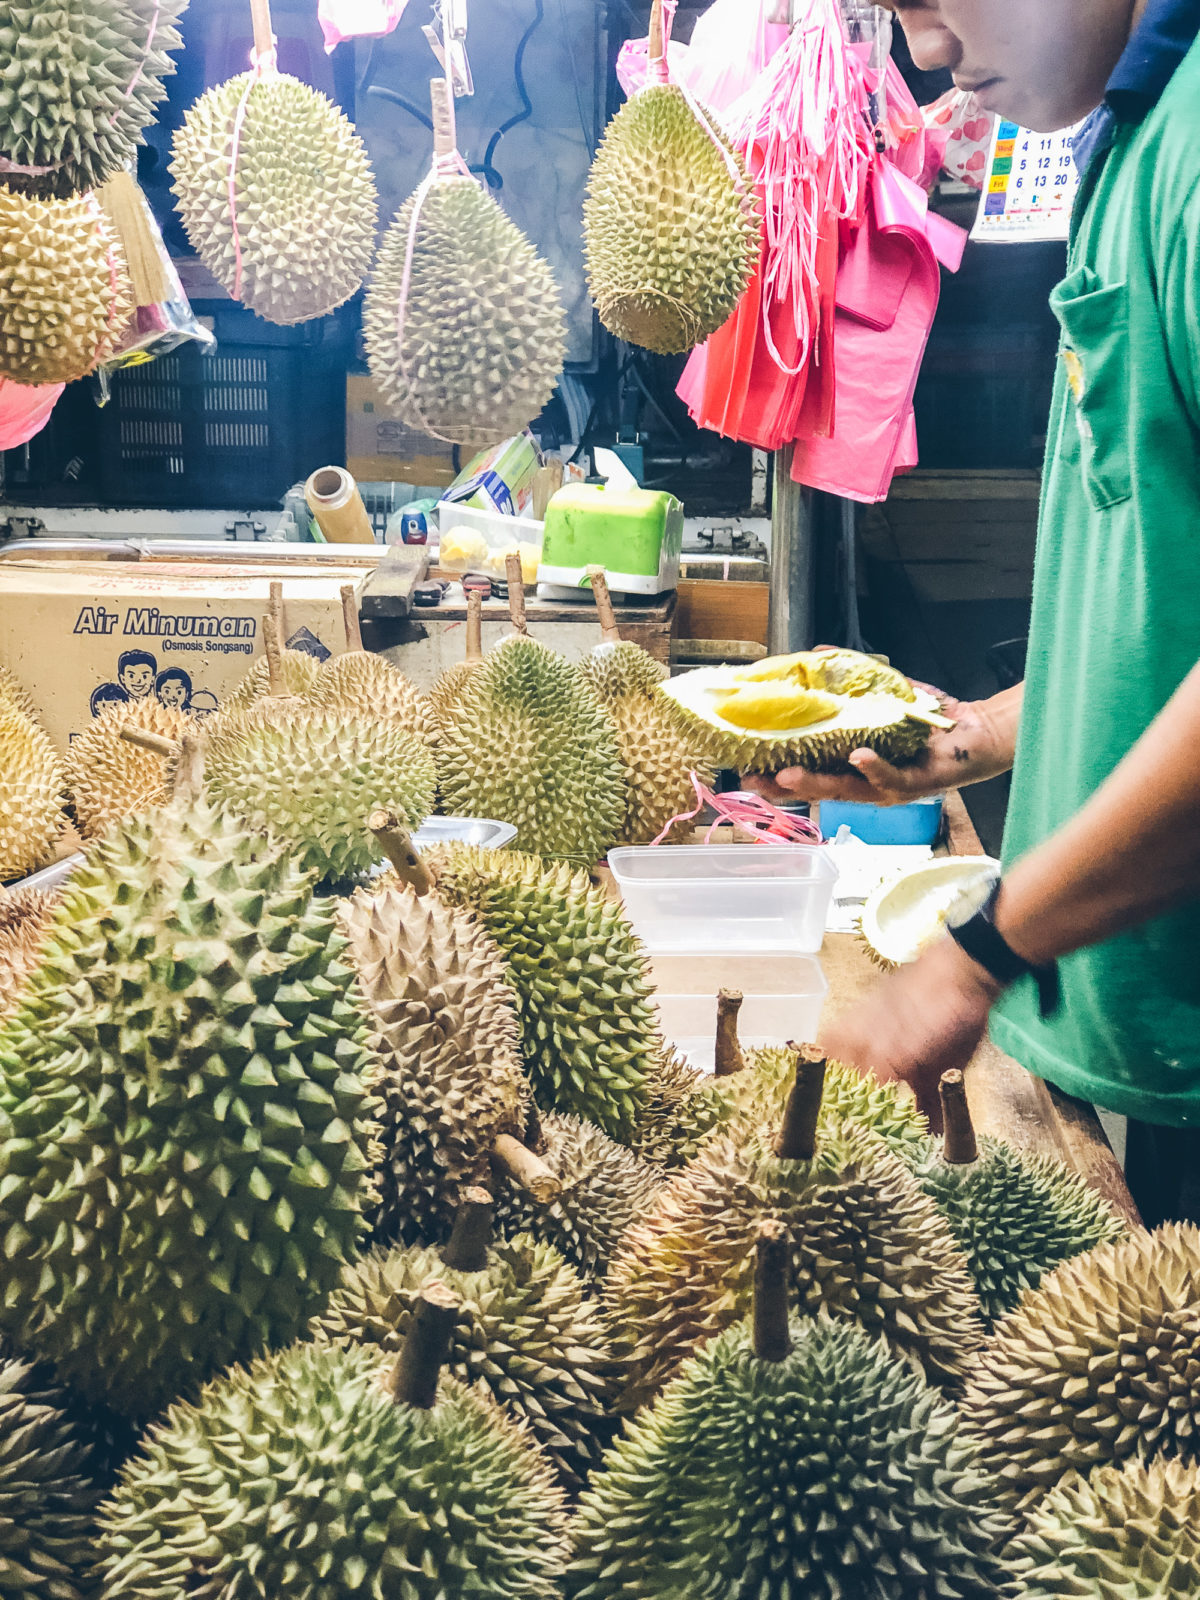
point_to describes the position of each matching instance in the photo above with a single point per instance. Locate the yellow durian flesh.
(774, 707)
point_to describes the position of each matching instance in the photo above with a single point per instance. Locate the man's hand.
(917, 1024)
(980, 745)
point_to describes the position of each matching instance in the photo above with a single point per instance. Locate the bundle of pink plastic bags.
(825, 348)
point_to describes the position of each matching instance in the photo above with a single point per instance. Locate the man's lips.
(976, 85)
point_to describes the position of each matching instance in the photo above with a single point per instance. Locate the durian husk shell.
(24, 915)
(108, 777)
(32, 785)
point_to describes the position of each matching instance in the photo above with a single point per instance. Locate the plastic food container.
(785, 1005)
(471, 540)
(485, 832)
(918, 823)
(737, 899)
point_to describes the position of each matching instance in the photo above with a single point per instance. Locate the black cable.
(398, 100)
(486, 167)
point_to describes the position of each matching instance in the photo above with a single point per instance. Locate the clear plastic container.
(738, 898)
(783, 997)
(471, 540)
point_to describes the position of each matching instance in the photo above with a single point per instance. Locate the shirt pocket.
(1095, 323)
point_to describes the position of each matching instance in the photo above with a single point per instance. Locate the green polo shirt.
(1116, 613)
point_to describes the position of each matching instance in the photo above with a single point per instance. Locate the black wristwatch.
(973, 928)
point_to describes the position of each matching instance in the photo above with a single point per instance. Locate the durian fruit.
(444, 1032)
(309, 775)
(463, 321)
(1098, 1364)
(659, 762)
(306, 204)
(671, 228)
(186, 1128)
(786, 712)
(32, 781)
(661, 1135)
(319, 1472)
(531, 744)
(47, 1495)
(1129, 1533)
(364, 683)
(447, 691)
(526, 1329)
(1015, 1216)
(799, 1460)
(111, 777)
(24, 914)
(298, 672)
(64, 290)
(14, 697)
(603, 1186)
(81, 81)
(580, 975)
(866, 1245)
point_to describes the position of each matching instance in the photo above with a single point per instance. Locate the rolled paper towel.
(334, 500)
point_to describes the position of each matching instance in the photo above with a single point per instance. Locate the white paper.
(1029, 187)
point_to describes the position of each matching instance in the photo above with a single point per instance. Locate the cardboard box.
(380, 448)
(80, 635)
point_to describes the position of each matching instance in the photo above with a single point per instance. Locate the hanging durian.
(297, 675)
(64, 291)
(24, 914)
(1015, 1216)
(184, 1058)
(1129, 1533)
(295, 238)
(320, 1472)
(1098, 1364)
(530, 743)
(81, 81)
(867, 1245)
(603, 1186)
(671, 227)
(14, 697)
(447, 691)
(659, 762)
(463, 321)
(32, 781)
(111, 777)
(580, 975)
(800, 1460)
(362, 682)
(787, 712)
(47, 1494)
(526, 1329)
(453, 1092)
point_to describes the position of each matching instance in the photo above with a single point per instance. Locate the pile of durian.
(363, 1235)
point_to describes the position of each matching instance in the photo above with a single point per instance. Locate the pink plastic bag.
(24, 410)
(731, 44)
(353, 19)
(964, 131)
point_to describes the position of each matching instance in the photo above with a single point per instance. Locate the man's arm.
(1131, 854)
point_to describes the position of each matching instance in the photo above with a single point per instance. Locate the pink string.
(447, 166)
(749, 812)
(260, 67)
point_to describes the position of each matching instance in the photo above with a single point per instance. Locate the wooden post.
(959, 1146)
(798, 1135)
(516, 591)
(414, 1378)
(350, 618)
(729, 1058)
(524, 1168)
(467, 1250)
(772, 1341)
(790, 622)
(396, 843)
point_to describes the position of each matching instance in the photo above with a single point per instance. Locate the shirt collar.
(1164, 36)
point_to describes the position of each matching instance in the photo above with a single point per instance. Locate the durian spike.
(188, 785)
(467, 1248)
(729, 1058)
(771, 1339)
(608, 617)
(350, 618)
(155, 742)
(474, 625)
(414, 1378)
(959, 1146)
(798, 1135)
(396, 843)
(516, 591)
(525, 1168)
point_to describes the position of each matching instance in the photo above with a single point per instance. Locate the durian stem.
(396, 843)
(264, 38)
(414, 1378)
(516, 591)
(189, 769)
(608, 617)
(729, 1051)
(350, 618)
(445, 131)
(475, 625)
(467, 1249)
(657, 47)
(959, 1146)
(798, 1135)
(273, 641)
(772, 1341)
(526, 1169)
(155, 742)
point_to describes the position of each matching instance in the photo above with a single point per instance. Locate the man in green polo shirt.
(1087, 957)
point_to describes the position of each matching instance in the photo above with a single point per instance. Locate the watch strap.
(980, 939)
